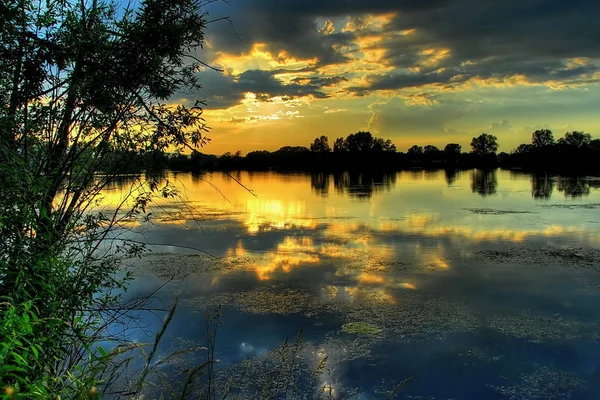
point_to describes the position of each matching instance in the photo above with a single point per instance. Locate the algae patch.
(361, 328)
(545, 383)
(491, 211)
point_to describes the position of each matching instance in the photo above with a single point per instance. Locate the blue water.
(484, 285)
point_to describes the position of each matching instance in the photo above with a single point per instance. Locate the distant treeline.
(576, 152)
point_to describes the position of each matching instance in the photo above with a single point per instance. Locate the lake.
(417, 285)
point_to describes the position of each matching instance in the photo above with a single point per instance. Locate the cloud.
(221, 91)
(416, 71)
(500, 127)
(335, 111)
(277, 116)
(429, 42)
(320, 81)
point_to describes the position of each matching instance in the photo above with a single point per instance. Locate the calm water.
(477, 285)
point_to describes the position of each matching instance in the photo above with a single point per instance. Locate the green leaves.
(79, 81)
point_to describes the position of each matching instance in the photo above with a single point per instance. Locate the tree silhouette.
(542, 138)
(320, 145)
(293, 149)
(363, 142)
(360, 142)
(485, 144)
(430, 150)
(524, 148)
(415, 151)
(384, 145)
(575, 139)
(339, 145)
(453, 150)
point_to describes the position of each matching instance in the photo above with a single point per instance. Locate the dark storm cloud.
(320, 81)
(258, 81)
(486, 39)
(495, 39)
(278, 26)
(224, 91)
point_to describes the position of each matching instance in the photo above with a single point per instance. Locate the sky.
(414, 71)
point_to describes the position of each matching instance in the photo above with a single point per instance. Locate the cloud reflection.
(408, 226)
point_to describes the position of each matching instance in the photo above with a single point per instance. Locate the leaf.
(102, 352)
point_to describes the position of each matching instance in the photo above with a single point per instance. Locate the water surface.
(475, 284)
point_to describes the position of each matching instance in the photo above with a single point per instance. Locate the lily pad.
(361, 328)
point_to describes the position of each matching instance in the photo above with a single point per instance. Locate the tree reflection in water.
(363, 185)
(451, 175)
(542, 186)
(319, 182)
(484, 183)
(577, 186)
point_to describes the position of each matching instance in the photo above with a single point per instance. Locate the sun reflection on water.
(412, 226)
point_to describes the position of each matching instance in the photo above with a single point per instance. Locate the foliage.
(542, 138)
(415, 151)
(484, 144)
(580, 155)
(524, 148)
(293, 149)
(575, 152)
(575, 139)
(363, 142)
(339, 145)
(82, 84)
(452, 150)
(430, 150)
(320, 145)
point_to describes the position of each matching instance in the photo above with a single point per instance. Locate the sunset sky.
(415, 71)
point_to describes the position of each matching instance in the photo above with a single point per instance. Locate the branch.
(230, 23)
(203, 63)
(242, 185)
(172, 245)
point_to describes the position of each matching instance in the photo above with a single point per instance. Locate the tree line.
(362, 150)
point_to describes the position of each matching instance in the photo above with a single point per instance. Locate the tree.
(542, 138)
(79, 82)
(340, 145)
(415, 151)
(383, 146)
(293, 149)
(363, 142)
(320, 145)
(452, 150)
(430, 150)
(485, 144)
(576, 139)
(524, 148)
(258, 155)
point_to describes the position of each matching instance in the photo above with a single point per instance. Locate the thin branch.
(242, 185)
(203, 63)
(230, 23)
(173, 245)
